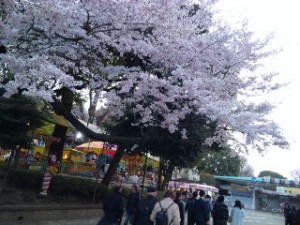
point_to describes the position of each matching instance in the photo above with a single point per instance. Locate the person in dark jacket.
(179, 202)
(131, 205)
(113, 206)
(145, 207)
(220, 212)
(291, 214)
(286, 209)
(296, 220)
(202, 211)
(189, 208)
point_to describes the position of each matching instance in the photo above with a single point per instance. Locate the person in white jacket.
(173, 211)
(237, 213)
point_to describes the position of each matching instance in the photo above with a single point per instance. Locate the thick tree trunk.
(57, 105)
(168, 175)
(113, 166)
(10, 159)
(17, 157)
(58, 147)
(61, 131)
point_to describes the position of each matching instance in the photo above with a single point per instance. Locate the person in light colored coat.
(173, 211)
(237, 213)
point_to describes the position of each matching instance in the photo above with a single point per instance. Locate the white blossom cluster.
(192, 63)
(134, 179)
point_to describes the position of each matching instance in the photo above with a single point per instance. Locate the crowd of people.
(199, 208)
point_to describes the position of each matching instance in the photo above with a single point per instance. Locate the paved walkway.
(263, 218)
(251, 218)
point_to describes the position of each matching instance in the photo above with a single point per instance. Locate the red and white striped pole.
(46, 182)
(50, 167)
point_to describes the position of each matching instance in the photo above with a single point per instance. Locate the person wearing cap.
(145, 207)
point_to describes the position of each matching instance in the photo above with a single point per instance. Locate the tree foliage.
(207, 178)
(19, 116)
(272, 174)
(162, 59)
(171, 148)
(221, 163)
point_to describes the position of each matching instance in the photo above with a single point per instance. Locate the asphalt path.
(252, 217)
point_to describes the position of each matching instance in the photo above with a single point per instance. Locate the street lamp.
(78, 135)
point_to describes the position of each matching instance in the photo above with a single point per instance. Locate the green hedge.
(60, 186)
(23, 179)
(2, 164)
(77, 187)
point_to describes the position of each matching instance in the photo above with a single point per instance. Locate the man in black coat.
(131, 205)
(113, 206)
(220, 212)
(202, 211)
(189, 208)
(145, 207)
(179, 202)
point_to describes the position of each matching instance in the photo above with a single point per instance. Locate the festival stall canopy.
(90, 146)
(193, 186)
(98, 147)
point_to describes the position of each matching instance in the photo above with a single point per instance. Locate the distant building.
(188, 174)
(261, 193)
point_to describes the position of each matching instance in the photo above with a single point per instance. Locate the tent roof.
(259, 181)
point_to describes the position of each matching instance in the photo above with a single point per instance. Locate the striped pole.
(46, 183)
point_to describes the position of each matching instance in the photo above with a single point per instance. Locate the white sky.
(283, 18)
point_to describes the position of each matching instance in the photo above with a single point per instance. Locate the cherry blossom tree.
(161, 59)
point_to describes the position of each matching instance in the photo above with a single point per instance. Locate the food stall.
(191, 187)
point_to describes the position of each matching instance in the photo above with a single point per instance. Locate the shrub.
(126, 191)
(60, 186)
(76, 187)
(23, 179)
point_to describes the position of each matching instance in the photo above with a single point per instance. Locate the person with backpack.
(113, 206)
(220, 212)
(131, 205)
(166, 211)
(145, 207)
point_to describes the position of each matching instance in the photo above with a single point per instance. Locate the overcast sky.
(282, 18)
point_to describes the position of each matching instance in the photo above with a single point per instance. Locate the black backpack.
(143, 207)
(220, 211)
(189, 207)
(161, 217)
